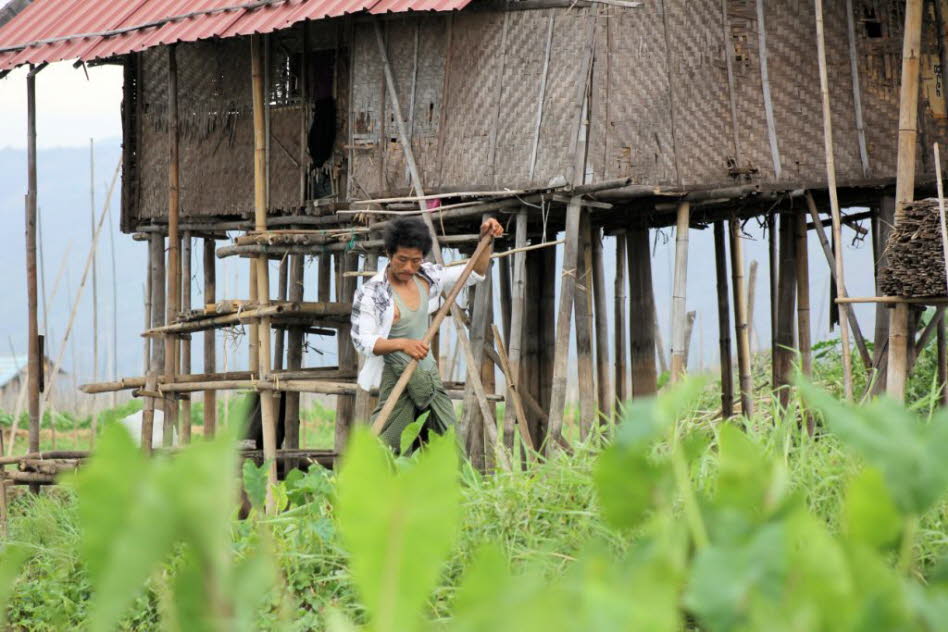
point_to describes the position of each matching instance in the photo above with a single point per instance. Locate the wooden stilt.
(345, 404)
(473, 421)
(567, 294)
(773, 271)
(517, 301)
(366, 402)
(745, 378)
(641, 314)
(582, 309)
(185, 360)
(210, 347)
(621, 298)
(33, 341)
(803, 296)
(156, 258)
(786, 295)
(279, 337)
(724, 322)
(513, 396)
(603, 372)
(173, 277)
(751, 294)
(883, 221)
(294, 355)
(536, 373)
(679, 308)
(260, 264)
(503, 276)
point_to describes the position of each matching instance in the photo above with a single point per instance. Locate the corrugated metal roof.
(54, 30)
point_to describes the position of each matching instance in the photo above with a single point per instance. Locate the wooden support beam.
(583, 310)
(513, 396)
(786, 295)
(156, 259)
(724, 322)
(210, 346)
(173, 277)
(606, 391)
(294, 354)
(365, 401)
(345, 292)
(745, 378)
(679, 305)
(641, 314)
(898, 364)
(804, 343)
(773, 270)
(518, 299)
(34, 357)
(567, 295)
(620, 298)
(185, 359)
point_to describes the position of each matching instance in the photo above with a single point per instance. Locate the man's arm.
(415, 348)
(493, 227)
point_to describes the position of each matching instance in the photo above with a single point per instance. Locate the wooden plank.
(724, 322)
(679, 308)
(641, 314)
(745, 378)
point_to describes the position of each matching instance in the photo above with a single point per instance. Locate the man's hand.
(415, 348)
(492, 227)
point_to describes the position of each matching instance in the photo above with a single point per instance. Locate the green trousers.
(424, 393)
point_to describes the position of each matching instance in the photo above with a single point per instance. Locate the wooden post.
(724, 322)
(473, 421)
(679, 308)
(517, 300)
(603, 373)
(786, 293)
(365, 401)
(345, 404)
(751, 294)
(942, 360)
(834, 201)
(33, 343)
(268, 417)
(536, 368)
(567, 294)
(503, 275)
(803, 296)
(513, 396)
(210, 349)
(881, 227)
(620, 297)
(94, 426)
(156, 258)
(641, 314)
(773, 270)
(745, 379)
(185, 361)
(173, 276)
(583, 313)
(897, 374)
(279, 336)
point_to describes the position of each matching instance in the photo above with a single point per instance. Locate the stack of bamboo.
(915, 254)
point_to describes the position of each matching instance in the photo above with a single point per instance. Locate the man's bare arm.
(493, 227)
(414, 348)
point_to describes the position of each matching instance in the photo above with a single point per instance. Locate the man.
(390, 314)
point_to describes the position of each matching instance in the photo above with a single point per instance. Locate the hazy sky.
(70, 109)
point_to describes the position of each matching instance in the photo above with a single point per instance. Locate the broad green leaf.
(410, 433)
(870, 513)
(255, 483)
(398, 528)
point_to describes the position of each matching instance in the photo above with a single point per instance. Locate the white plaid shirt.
(373, 312)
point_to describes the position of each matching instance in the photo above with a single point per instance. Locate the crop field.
(672, 519)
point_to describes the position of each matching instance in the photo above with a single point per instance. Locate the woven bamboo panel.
(429, 86)
(366, 112)
(702, 110)
(639, 143)
(400, 38)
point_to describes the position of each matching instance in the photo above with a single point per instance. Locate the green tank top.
(412, 323)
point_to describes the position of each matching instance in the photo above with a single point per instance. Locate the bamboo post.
(260, 264)
(365, 401)
(503, 275)
(620, 297)
(834, 201)
(33, 342)
(882, 226)
(345, 404)
(745, 378)
(751, 294)
(294, 354)
(156, 275)
(95, 300)
(567, 293)
(641, 314)
(773, 271)
(172, 302)
(803, 296)
(897, 371)
(279, 343)
(185, 361)
(678, 317)
(786, 294)
(582, 309)
(210, 349)
(603, 373)
(513, 395)
(474, 422)
(724, 322)
(517, 302)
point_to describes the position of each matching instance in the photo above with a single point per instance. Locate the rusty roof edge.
(247, 6)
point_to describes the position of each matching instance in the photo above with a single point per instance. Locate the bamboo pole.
(95, 297)
(751, 294)
(473, 423)
(941, 212)
(773, 271)
(679, 308)
(345, 405)
(803, 296)
(517, 299)
(786, 295)
(513, 396)
(603, 374)
(620, 298)
(898, 365)
(642, 324)
(34, 354)
(724, 322)
(173, 276)
(155, 361)
(582, 309)
(210, 347)
(294, 354)
(567, 294)
(745, 378)
(185, 360)
(834, 200)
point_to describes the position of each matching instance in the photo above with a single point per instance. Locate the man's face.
(404, 263)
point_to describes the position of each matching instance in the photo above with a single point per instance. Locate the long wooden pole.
(745, 379)
(34, 359)
(513, 400)
(620, 297)
(679, 308)
(897, 371)
(724, 322)
(603, 372)
(210, 347)
(786, 295)
(173, 272)
(803, 296)
(95, 295)
(185, 359)
(260, 264)
(582, 310)
(642, 322)
(404, 378)
(518, 299)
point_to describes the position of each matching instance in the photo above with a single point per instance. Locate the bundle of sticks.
(916, 261)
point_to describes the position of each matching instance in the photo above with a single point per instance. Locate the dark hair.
(407, 233)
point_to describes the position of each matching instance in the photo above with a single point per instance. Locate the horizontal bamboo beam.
(278, 251)
(252, 314)
(139, 382)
